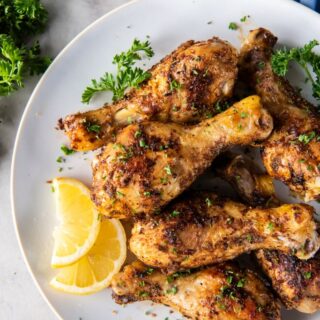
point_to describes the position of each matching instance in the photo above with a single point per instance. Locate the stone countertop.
(19, 297)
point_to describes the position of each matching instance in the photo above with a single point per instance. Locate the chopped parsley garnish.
(142, 144)
(249, 237)
(167, 169)
(142, 283)
(60, 159)
(244, 114)
(208, 202)
(177, 275)
(209, 115)
(127, 75)
(175, 213)
(120, 194)
(233, 26)
(270, 226)
(164, 180)
(172, 290)
(229, 279)
(149, 271)
(138, 133)
(307, 275)
(66, 150)
(94, 128)
(305, 58)
(144, 294)
(221, 106)
(306, 138)
(244, 18)
(261, 65)
(241, 283)
(174, 85)
(147, 193)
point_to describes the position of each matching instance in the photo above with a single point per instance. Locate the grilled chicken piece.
(183, 87)
(285, 157)
(202, 228)
(297, 282)
(152, 163)
(254, 187)
(220, 292)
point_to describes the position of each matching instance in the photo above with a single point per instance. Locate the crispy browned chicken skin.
(220, 292)
(152, 163)
(296, 281)
(201, 229)
(184, 87)
(294, 162)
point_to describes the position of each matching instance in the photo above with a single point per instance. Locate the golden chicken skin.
(201, 228)
(184, 87)
(219, 292)
(292, 153)
(150, 164)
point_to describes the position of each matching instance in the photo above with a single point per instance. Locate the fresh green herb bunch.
(305, 57)
(19, 20)
(17, 62)
(127, 75)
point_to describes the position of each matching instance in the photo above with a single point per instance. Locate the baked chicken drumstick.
(254, 186)
(150, 164)
(183, 87)
(296, 281)
(292, 153)
(202, 229)
(220, 292)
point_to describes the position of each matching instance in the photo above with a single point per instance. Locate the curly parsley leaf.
(305, 57)
(16, 62)
(22, 18)
(127, 75)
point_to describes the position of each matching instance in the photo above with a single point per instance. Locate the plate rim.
(28, 106)
(17, 138)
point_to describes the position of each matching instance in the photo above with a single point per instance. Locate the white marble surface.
(19, 298)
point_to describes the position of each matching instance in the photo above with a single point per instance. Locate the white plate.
(169, 23)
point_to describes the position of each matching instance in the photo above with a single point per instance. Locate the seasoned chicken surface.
(202, 228)
(287, 156)
(151, 163)
(183, 87)
(254, 187)
(296, 281)
(220, 292)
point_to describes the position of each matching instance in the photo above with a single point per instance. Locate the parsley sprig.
(305, 57)
(127, 75)
(20, 19)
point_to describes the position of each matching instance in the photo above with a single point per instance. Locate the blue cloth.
(313, 4)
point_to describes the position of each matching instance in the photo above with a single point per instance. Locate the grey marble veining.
(19, 298)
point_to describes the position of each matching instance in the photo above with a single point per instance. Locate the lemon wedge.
(95, 270)
(79, 222)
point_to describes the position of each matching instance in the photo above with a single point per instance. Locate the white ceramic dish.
(168, 23)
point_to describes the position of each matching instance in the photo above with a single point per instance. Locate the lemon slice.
(95, 270)
(79, 222)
